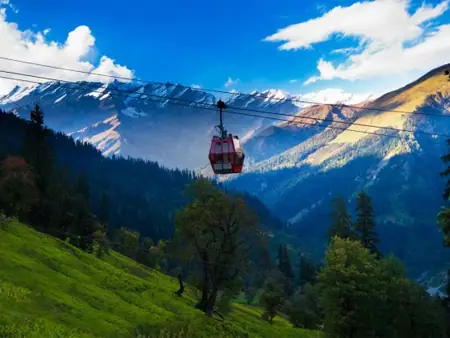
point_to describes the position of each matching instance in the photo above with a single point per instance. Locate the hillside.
(305, 167)
(136, 120)
(142, 195)
(295, 168)
(49, 288)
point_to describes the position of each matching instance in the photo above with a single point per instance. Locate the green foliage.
(127, 242)
(37, 152)
(50, 289)
(101, 243)
(342, 224)
(347, 284)
(307, 271)
(272, 296)
(365, 223)
(364, 297)
(18, 191)
(303, 309)
(285, 267)
(216, 232)
(123, 192)
(37, 116)
(444, 221)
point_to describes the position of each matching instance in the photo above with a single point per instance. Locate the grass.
(49, 288)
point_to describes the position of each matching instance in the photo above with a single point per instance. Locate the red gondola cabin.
(226, 155)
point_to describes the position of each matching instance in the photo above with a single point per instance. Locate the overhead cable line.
(259, 95)
(213, 106)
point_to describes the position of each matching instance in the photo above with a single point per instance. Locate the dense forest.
(131, 193)
(215, 240)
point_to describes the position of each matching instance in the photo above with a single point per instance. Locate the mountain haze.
(296, 167)
(400, 170)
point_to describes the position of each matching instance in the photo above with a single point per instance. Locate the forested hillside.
(123, 192)
(50, 289)
(217, 244)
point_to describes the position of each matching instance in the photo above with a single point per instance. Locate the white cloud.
(293, 81)
(10, 5)
(391, 40)
(196, 86)
(335, 95)
(230, 82)
(32, 46)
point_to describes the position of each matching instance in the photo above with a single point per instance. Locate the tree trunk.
(211, 302)
(202, 304)
(181, 289)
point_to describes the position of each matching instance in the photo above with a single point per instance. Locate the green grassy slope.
(48, 288)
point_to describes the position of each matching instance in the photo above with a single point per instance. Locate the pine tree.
(103, 216)
(448, 285)
(342, 225)
(365, 223)
(82, 187)
(266, 263)
(272, 297)
(288, 272)
(37, 116)
(280, 258)
(307, 272)
(36, 150)
(285, 267)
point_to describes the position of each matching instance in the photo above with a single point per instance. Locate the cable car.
(225, 154)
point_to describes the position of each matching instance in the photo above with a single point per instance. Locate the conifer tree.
(365, 223)
(36, 150)
(82, 187)
(37, 153)
(103, 216)
(280, 258)
(288, 272)
(342, 225)
(37, 116)
(285, 267)
(272, 297)
(307, 272)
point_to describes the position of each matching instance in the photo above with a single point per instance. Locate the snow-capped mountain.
(295, 166)
(139, 121)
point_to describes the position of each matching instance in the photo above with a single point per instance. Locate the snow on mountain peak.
(276, 94)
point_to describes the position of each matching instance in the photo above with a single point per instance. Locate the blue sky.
(207, 42)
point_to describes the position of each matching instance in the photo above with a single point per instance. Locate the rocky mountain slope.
(295, 167)
(298, 176)
(137, 120)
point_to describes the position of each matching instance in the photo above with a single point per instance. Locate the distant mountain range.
(295, 167)
(298, 168)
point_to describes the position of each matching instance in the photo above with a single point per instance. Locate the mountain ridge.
(295, 166)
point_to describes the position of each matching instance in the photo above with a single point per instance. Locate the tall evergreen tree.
(342, 225)
(103, 216)
(281, 259)
(307, 272)
(288, 271)
(365, 223)
(82, 187)
(36, 150)
(37, 116)
(285, 267)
